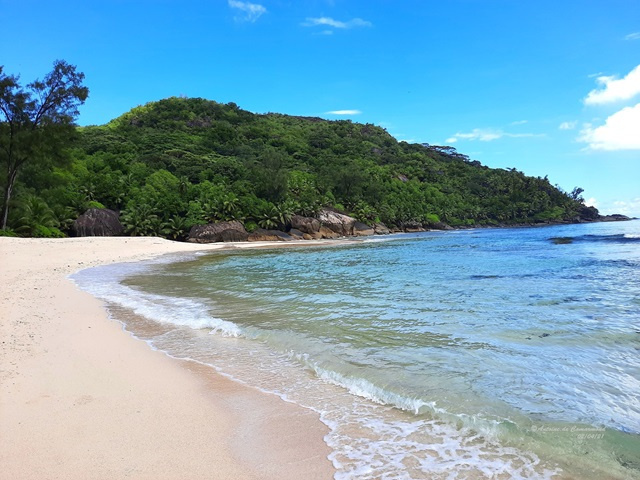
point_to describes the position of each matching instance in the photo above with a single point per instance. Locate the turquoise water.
(502, 353)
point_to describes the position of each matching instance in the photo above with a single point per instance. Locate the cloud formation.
(250, 12)
(591, 202)
(487, 135)
(567, 125)
(629, 207)
(621, 131)
(330, 22)
(633, 36)
(615, 89)
(343, 112)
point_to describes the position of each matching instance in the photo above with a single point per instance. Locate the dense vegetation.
(178, 162)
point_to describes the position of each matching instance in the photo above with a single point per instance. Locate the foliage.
(34, 218)
(8, 233)
(179, 162)
(36, 123)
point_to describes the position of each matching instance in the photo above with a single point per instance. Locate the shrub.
(8, 233)
(40, 231)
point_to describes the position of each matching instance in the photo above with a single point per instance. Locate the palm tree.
(175, 228)
(33, 212)
(140, 220)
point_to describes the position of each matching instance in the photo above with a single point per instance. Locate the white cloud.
(344, 112)
(629, 207)
(591, 202)
(487, 135)
(621, 131)
(330, 22)
(568, 125)
(633, 36)
(250, 11)
(520, 122)
(615, 89)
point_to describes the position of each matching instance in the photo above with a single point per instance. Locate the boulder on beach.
(325, 232)
(262, 235)
(98, 222)
(440, 226)
(412, 227)
(305, 224)
(232, 231)
(296, 234)
(362, 229)
(381, 229)
(338, 222)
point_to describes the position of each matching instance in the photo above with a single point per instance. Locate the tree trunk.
(11, 180)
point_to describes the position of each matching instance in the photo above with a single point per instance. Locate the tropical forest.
(169, 165)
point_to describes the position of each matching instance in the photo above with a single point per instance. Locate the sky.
(551, 88)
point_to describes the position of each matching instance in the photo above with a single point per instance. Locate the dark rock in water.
(561, 240)
(338, 222)
(305, 224)
(262, 235)
(381, 229)
(98, 222)
(232, 231)
(544, 335)
(296, 234)
(362, 229)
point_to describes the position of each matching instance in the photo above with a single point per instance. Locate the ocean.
(483, 353)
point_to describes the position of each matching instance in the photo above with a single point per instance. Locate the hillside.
(179, 162)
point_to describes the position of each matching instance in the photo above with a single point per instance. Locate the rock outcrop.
(362, 229)
(98, 222)
(616, 217)
(262, 235)
(325, 232)
(381, 229)
(296, 234)
(412, 227)
(337, 222)
(440, 226)
(233, 231)
(305, 224)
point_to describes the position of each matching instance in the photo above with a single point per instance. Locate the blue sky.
(547, 87)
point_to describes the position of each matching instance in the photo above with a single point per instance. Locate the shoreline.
(80, 397)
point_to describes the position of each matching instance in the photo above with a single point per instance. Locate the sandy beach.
(80, 398)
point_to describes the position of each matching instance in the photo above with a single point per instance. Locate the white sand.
(82, 399)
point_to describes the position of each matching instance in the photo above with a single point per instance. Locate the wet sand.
(80, 398)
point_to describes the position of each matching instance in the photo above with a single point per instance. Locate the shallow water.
(502, 353)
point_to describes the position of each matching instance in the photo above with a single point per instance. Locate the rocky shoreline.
(328, 224)
(331, 224)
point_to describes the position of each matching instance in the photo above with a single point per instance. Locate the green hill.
(178, 162)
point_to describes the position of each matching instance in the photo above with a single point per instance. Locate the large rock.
(362, 229)
(440, 226)
(325, 232)
(262, 235)
(232, 231)
(338, 222)
(412, 227)
(296, 234)
(305, 224)
(381, 229)
(98, 222)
